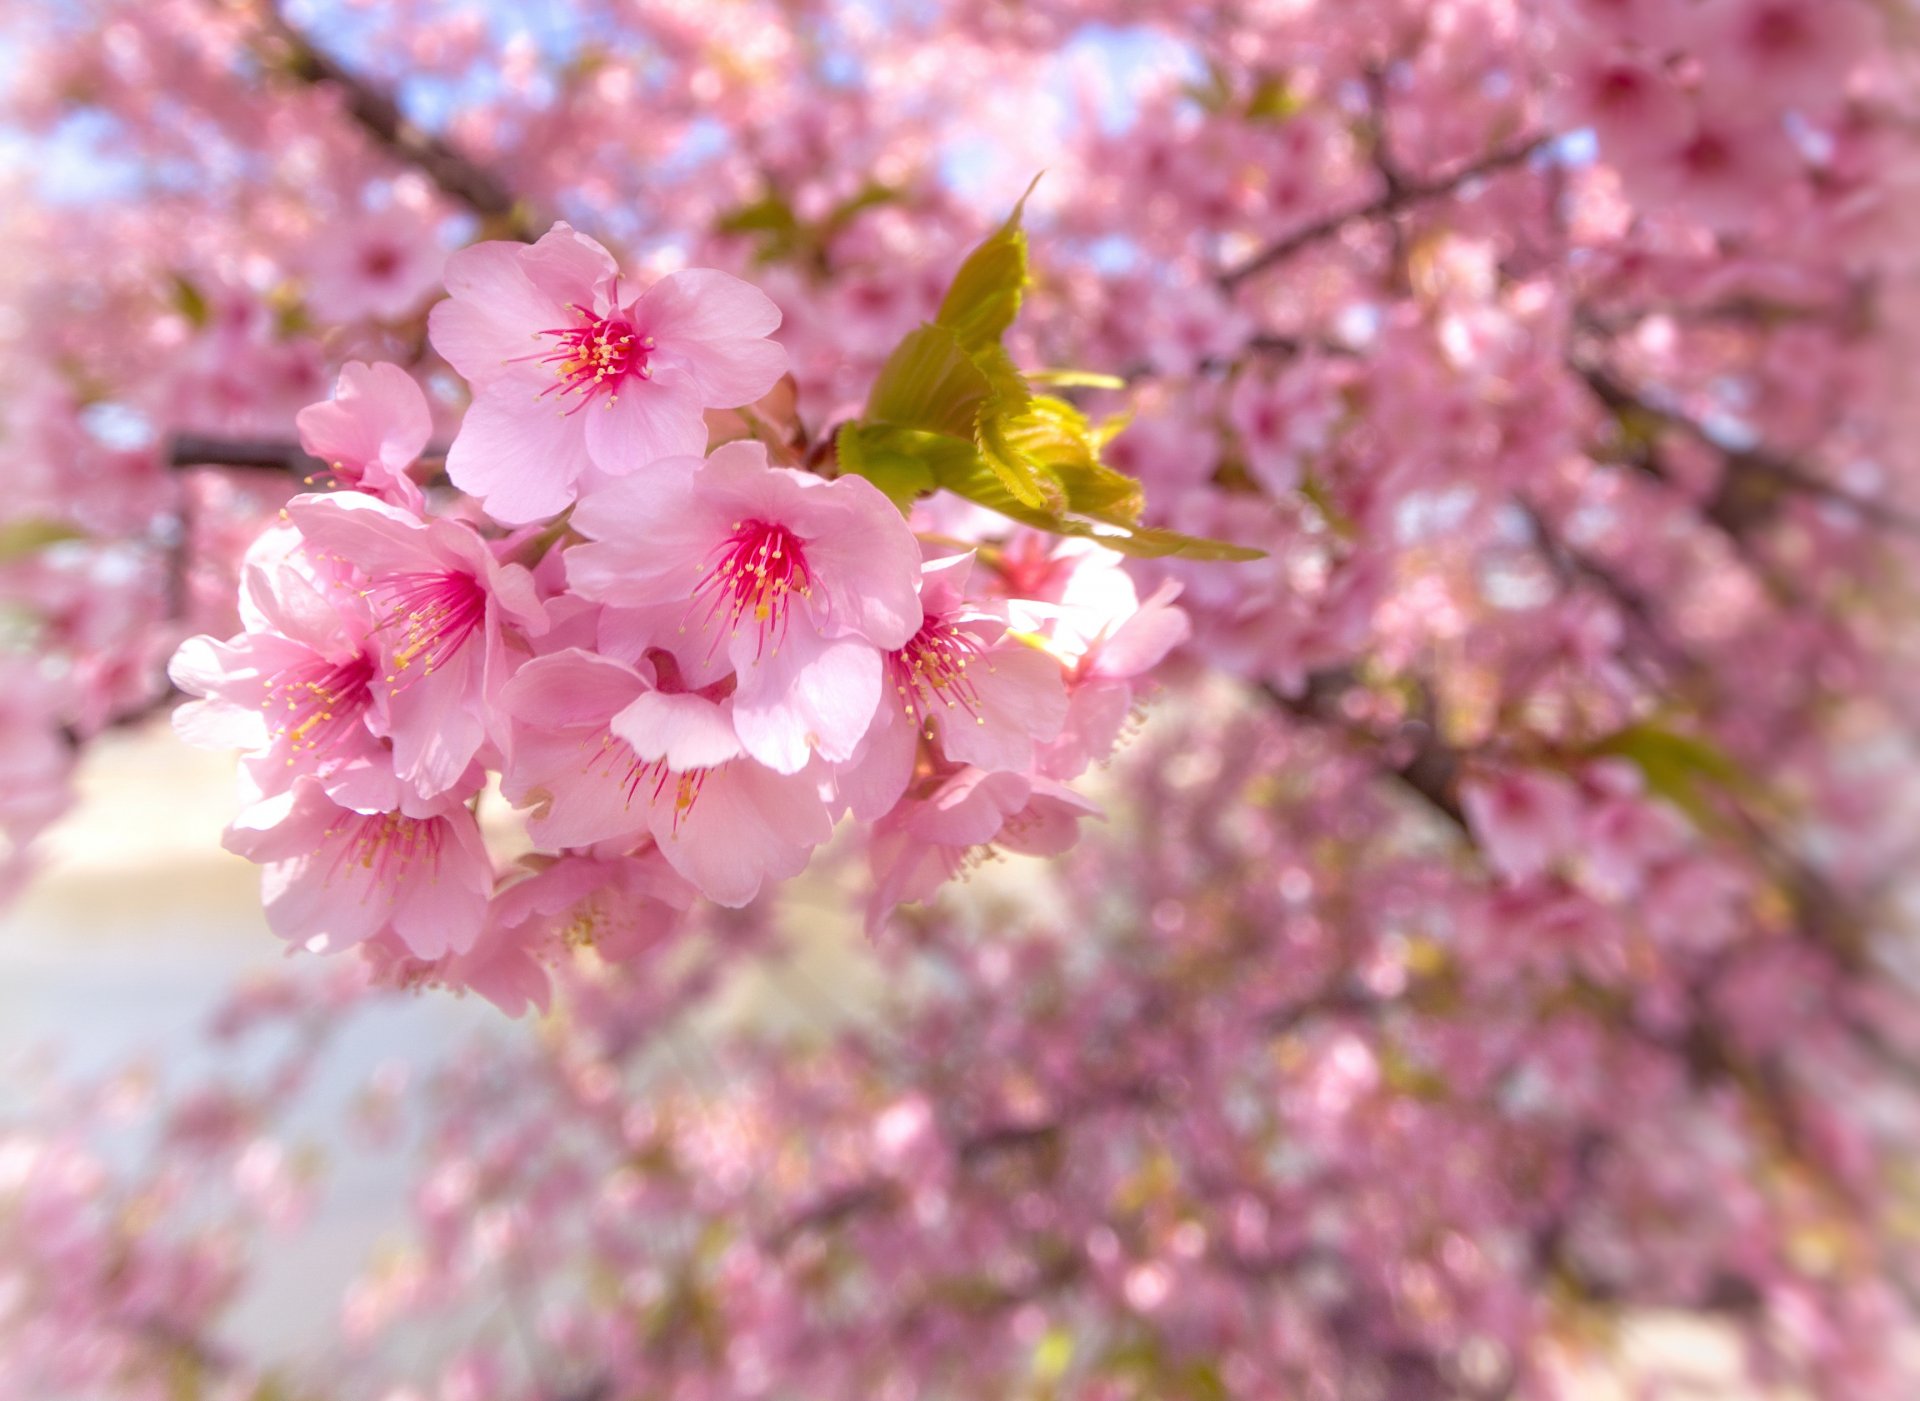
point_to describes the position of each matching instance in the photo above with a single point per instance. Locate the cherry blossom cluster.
(1503, 924)
(683, 667)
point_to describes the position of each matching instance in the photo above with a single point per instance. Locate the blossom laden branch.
(1397, 195)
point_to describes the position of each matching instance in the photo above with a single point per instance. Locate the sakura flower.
(1633, 106)
(933, 836)
(335, 878)
(1771, 54)
(801, 584)
(371, 431)
(382, 265)
(575, 383)
(621, 907)
(605, 762)
(445, 612)
(962, 680)
(295, 691)
(1284, 420)
(1524, 821)
(1727, 171)
(1080, 599)
(1625, 832)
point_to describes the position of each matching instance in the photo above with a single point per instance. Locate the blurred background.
(1493, 971)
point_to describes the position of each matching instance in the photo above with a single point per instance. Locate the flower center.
(752, 577)
(931, 671)
(321, 700)
(431, 616)
(596, 355)
(385, 843)
(1780, 31)
(649, 780)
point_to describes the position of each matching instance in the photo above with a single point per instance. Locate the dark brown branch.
(1431, 770)
(1397, 195)
(269, 455)
(457, 175)
(276, 454)
(1754, 476)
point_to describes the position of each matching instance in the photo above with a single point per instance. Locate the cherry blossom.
(568, 373)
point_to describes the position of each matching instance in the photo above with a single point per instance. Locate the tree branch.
(288, 50)
(1398, 194)
(1753, 476)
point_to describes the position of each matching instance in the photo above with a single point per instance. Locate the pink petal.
(522, 458)
(493, 317)
(642, 423)
(685, 731)
(377, 415)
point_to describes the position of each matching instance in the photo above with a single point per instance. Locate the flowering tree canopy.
(1414, 510)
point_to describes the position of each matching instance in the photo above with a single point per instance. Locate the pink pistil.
(752, 577)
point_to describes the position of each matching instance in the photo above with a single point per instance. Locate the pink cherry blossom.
(983, 697)
(607, 762)
(371, 432)
(934, 836)
(447, 616)
(336, 878)
(382, 265)
(801, 584)
(295, 692)
(574, 384)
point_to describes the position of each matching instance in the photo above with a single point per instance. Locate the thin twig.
(1395, 197)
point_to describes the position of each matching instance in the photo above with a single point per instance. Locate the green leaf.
(929, 383)
(1055, 437)
(985, 295)
(994, 428)
(1683, 769)
(21, 538)
(1076, 379)
(950, 410)
(1273, 100)
(983, 488)
(896, 460)
(189, 300)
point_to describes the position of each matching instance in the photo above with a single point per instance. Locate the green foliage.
(780, 235)
(24, 537)
(951, 411)
(1273, 98)
(189, 300)
(1684, 769)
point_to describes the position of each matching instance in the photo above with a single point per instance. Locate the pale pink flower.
(802, 584)
(335, 878)
(1774, 54)
(1525, 821)
(963, 682)
(574, 383)
(1633, 105)
(606, 762)
(620, 907)
(935, 835)
(380, 265)
(1284, 420)
(295, 692)
(446, 611)
(371, 431)
(1728, 171)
